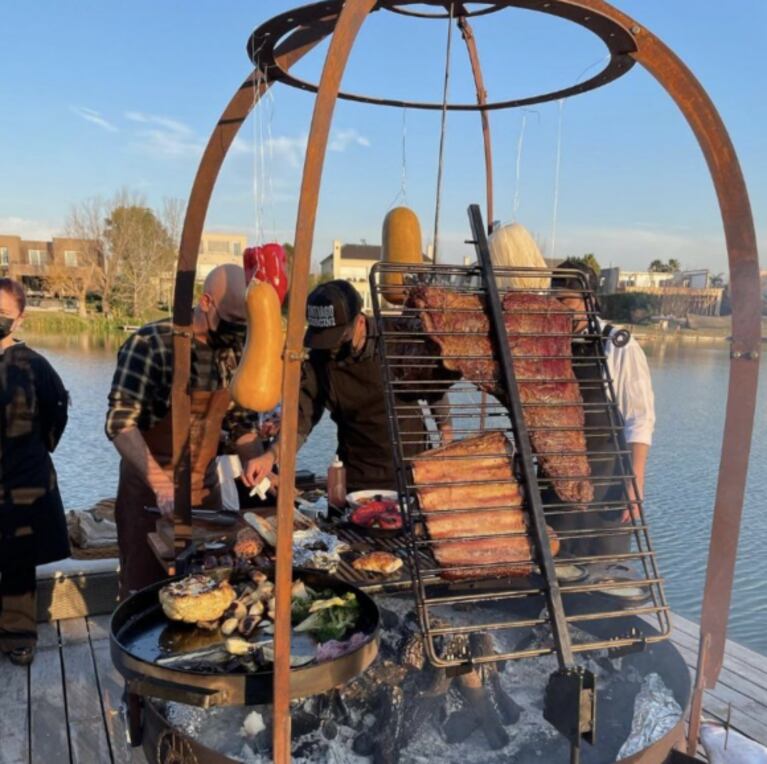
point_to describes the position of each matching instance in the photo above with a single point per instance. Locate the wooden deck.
(66, 706)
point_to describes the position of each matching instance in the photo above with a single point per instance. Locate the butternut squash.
(257, 383)
(512, 246)
(401, 237)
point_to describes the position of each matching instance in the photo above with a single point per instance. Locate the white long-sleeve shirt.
(633, 388)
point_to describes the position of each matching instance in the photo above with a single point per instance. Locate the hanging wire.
(255, 140)
(267, 100)
(558, 163)
(443, 127)
(402, 193)
(557, 168)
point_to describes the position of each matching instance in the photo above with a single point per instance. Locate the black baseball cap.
(330, 310)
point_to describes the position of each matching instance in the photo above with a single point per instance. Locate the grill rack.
(508, 608)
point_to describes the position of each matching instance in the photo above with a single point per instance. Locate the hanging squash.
(257, 383)
(267, 263)
(401, 239)
(512, 246)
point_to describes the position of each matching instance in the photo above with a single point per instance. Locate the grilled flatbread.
(378, 562)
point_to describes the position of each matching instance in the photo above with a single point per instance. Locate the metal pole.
(349, 22)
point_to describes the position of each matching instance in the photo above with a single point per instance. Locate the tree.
(85, 223)
(590, 260)
(143, 253)
(658, 266)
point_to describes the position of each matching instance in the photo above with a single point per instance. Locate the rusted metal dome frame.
(343, 21)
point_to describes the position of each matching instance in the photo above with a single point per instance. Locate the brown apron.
(138, 565)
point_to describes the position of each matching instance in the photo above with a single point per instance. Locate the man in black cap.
(343, 375)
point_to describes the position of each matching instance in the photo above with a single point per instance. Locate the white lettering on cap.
(321, 316)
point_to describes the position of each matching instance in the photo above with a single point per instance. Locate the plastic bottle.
(337, 484)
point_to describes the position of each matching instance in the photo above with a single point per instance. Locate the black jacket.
(33, 414)
(352, 390)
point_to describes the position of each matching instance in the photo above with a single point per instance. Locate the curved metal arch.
(616, 38)
(727, 177)
(224, 133)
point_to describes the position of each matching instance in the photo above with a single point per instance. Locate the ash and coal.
(404, 710)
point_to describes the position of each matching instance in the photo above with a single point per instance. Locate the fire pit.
(404, 710)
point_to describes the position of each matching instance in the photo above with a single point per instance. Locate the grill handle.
(572, 697)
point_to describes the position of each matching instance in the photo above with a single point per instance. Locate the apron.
(138, 565)
(604, 463)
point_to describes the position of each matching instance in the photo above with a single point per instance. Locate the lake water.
(690, 388)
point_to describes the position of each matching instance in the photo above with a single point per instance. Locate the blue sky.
(100, 95)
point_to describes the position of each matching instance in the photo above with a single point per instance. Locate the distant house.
(679, 293)
(219, 249)
(31, 262)
(352, 262)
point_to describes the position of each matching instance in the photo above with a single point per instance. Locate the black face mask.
(342, 352)
(5, 326)
(228, 334)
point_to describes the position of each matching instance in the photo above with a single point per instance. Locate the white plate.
(357, 498)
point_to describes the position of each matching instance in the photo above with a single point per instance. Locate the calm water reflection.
(690, 388)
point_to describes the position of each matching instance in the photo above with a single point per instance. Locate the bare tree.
(86, 224)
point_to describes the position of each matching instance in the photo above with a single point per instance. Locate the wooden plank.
(745, 706)
(111, 689)
(14, 732)
(98, 627)
(750, 690)
(87, 732)
(73, 631)
(735, 650)
(47, 635)
(48, 717)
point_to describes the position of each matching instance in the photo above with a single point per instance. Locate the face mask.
(342, 352)
(6, 325)
(228, 334)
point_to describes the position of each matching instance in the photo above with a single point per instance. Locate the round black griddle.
(140, 634)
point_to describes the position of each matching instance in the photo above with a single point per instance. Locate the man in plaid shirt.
(138, 420)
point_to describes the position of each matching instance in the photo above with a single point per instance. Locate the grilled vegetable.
(257, 382)
(229, 626)
(332, 618)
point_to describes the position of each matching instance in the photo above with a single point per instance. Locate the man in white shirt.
(630, 375)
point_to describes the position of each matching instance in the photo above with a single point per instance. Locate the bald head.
(225, 289)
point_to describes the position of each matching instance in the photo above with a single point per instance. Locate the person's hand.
(446, 434)
(256, 469)
(163, 491)
(632, 511)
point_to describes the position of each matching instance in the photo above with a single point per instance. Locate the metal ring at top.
(619, 41)
(398, 7)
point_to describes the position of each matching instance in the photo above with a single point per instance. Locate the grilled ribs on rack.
(488, 537)
(539, 330)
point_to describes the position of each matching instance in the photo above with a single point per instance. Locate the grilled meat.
(473, 509)
(539, 329)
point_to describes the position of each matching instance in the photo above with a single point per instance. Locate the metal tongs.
(208, 515)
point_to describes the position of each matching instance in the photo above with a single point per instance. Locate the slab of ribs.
(473, 511)
(539, 329)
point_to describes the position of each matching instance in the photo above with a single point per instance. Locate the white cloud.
(165, 138)
(26, 228)
(94, 117)
(342, 139)
(290, 150)
(173, 125)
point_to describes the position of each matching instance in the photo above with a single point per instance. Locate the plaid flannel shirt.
(141, 386)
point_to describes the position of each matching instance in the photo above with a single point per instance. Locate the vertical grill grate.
(440, 366)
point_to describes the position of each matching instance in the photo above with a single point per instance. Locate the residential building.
(30, 262)
(219, 249)
(352, 262)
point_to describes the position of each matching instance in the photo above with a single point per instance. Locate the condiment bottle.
(337, 484)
